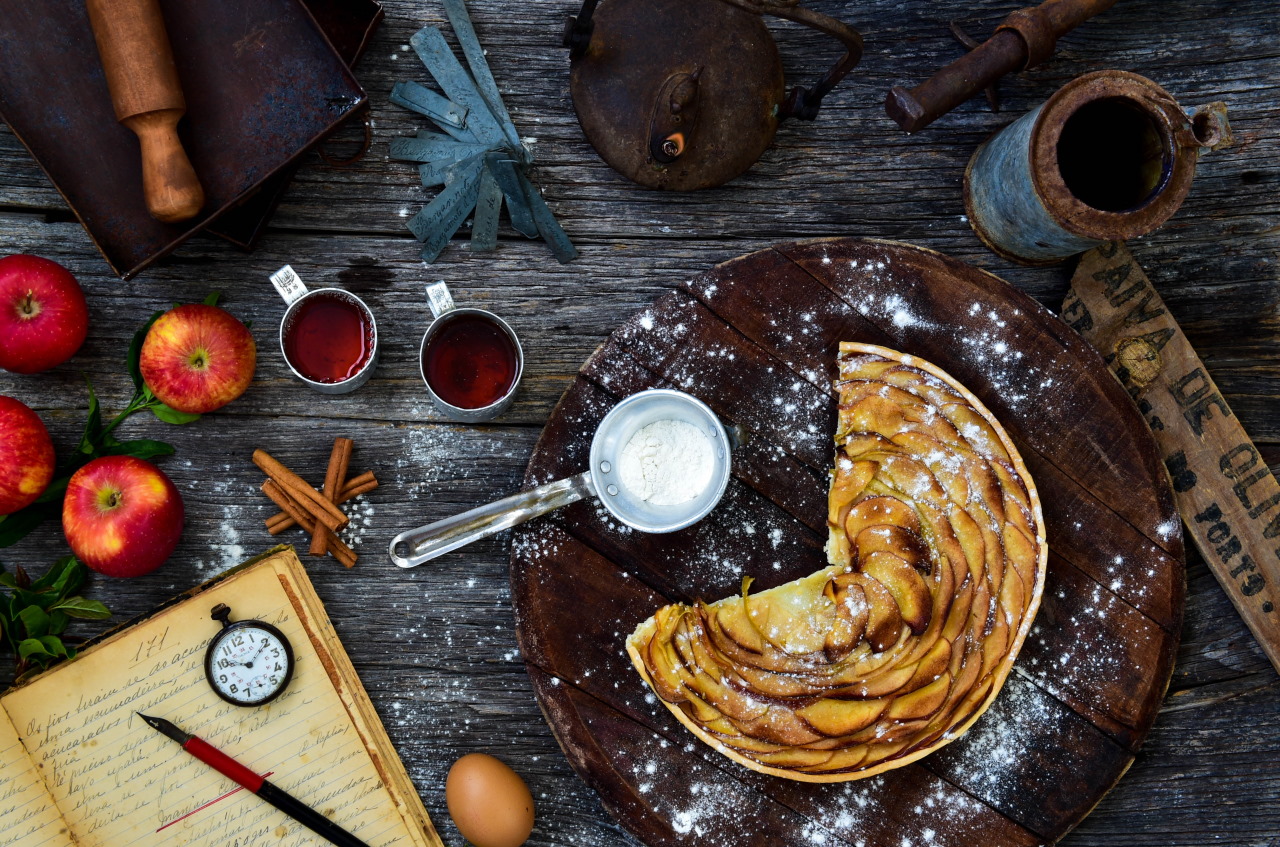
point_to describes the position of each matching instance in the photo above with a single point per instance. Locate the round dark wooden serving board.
(755, 338)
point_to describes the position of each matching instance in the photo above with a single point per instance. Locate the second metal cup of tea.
(602, 479)
(295, 294)
(444, 312)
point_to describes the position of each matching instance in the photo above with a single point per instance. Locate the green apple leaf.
(173, 416)
(34, 620)
(142, 448)
(135, 352)
(92, 425)
(54, 645)
(87, 610)
(35, 613)
(70, 579)
(58, 575)
(213, 298)
(30, 647)
(35, 599)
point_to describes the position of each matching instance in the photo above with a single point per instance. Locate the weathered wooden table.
(435, 646)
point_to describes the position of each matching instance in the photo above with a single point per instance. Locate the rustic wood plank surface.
(436, 647)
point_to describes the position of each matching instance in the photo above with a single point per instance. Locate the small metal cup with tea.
(328, 336)
(470, 360)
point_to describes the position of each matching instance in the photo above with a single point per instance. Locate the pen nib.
(163, 726)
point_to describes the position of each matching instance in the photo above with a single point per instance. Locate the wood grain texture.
(436, 647)
(1096, 666)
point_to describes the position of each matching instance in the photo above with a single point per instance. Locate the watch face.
(248, 663)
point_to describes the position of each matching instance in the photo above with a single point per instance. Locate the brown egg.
(489, 802)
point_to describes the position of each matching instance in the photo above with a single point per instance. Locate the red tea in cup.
(329, 338)
(470, 361)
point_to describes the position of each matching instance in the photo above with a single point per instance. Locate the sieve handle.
(412, 548)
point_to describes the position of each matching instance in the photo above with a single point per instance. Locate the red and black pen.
(230, 768)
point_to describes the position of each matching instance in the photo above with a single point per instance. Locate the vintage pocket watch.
(248, 662)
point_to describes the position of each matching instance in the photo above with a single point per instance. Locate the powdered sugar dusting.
(992, 759)
(878, 293)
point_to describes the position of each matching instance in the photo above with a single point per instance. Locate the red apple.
(43, 315)
(198, 358)
(122, 516)
(26, 456)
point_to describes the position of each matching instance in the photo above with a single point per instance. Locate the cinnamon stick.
(335, 475)
(311, 501)
(354, 487)
(343, 553)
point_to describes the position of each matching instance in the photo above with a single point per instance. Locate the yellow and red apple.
(122, 516)
(26, 456)
(43, 314)
(198, 358)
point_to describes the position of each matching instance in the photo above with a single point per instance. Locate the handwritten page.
(118, 782)
(28, 817)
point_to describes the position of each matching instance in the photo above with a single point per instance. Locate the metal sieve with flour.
(601, 480)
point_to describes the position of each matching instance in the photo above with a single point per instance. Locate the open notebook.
(78, 767)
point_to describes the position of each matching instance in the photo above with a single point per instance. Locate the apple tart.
(936, 562)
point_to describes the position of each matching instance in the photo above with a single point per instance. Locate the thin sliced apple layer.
(937, 558)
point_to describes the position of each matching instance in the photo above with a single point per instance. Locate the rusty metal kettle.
(687, 94)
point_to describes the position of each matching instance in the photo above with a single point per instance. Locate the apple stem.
(28, 306)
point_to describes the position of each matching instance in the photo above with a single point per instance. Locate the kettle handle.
(802, 102)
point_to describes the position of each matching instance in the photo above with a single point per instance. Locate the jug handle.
(802, 102)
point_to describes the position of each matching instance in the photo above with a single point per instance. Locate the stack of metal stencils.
(478, 156)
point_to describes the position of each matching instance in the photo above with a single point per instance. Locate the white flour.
(666, 463)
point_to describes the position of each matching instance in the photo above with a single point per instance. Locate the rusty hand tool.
(138, 63)
(1025, 39)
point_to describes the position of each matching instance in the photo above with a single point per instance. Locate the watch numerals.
(249, 662)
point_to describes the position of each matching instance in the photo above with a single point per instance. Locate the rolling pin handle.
(169, 183)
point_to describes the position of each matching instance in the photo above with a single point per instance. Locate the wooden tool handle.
(169, 183)
(138, 64)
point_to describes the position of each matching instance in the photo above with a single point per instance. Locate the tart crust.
(937, 559)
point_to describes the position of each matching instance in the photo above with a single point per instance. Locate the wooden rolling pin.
(147, 97)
